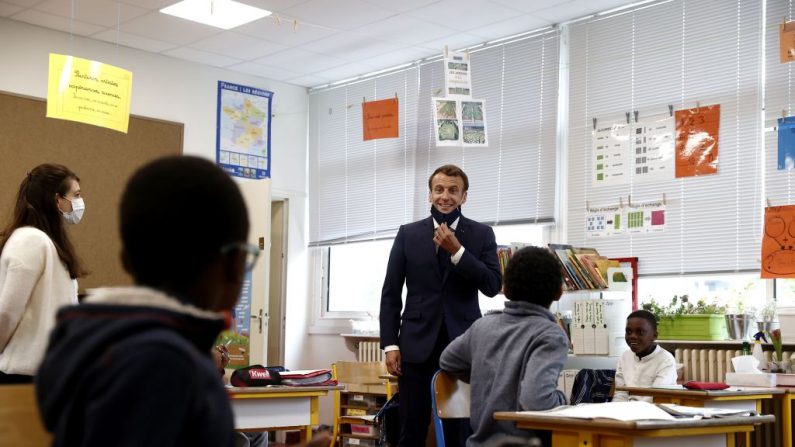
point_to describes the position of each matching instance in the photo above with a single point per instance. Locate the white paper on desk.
(622, 411)
(705, 412)
(668, 387)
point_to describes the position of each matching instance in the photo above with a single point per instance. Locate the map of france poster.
(243, 130)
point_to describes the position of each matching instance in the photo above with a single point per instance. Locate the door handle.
(260, 317)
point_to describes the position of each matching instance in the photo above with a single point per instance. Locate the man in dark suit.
(444, 260)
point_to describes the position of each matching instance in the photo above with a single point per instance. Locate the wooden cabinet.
(356, 413)
(355, 407)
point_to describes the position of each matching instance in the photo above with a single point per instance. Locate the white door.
(257, 194)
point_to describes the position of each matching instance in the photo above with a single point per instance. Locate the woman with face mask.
(38, 267)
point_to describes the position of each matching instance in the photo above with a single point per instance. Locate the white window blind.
(682, 53)
(513, 179)
(361, 190)
(779, 185)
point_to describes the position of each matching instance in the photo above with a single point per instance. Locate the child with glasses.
(132, 366)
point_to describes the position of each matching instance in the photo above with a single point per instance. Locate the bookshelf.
(599, 292)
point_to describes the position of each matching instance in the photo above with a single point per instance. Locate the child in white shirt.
(645, 364)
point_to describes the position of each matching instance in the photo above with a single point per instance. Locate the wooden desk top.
(551, 423)
(276, 391)
(751, 392)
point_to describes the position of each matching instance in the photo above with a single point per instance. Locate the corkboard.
(103, 159)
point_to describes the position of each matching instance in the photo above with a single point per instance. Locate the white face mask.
(74, 216)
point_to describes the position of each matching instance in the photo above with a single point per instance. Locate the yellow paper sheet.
(89, 92)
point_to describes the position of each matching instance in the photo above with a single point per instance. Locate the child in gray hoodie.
(512, 358)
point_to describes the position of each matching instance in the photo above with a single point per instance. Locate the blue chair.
(450, 400)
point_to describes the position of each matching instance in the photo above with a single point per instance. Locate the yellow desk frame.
(277, 408)
(571, 432)
(705, 398)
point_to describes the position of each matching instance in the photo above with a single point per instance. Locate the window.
(355, 277)
(673, 54)
(742, 293)
(506, 234)
(785, 292)
(367, 189)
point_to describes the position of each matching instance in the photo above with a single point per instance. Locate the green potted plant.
(683, 320)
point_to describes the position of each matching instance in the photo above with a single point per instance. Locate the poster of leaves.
(460, 122)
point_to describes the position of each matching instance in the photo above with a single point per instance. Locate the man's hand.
(445, 239)
(393, 362)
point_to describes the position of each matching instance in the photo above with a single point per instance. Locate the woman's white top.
(34, 283)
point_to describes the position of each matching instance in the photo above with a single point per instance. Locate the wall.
(181, 91)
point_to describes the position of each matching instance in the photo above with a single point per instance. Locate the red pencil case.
(694, 385)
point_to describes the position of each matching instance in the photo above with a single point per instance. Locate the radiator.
(370, 351)
(710, 365)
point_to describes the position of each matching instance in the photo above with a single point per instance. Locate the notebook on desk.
(681, 411)
(622, 411)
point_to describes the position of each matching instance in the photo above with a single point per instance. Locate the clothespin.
(364, 99)
(621, 202)
(627, 117)
(437, 92)
(295, 24)
(445, 51)
(278, 19)
(767, 200)
(671, 109)
(594, 124)
(698, 105)
(587, 205)
(783, 113)
(629, 200)
(636, 116)
(396, 95)
(663, 202)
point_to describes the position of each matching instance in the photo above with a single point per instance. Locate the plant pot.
(692, 327)
(739, 326)
(766, 326)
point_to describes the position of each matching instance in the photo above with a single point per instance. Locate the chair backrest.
(20, 423)
(592, 386)
(361, 376)
(450, 399)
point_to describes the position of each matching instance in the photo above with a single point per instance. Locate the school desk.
(739, 398)
(574, 432)
(785, 399)
(277, 408)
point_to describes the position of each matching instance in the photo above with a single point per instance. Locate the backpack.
(388, 421)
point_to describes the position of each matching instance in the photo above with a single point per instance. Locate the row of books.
(583, 268)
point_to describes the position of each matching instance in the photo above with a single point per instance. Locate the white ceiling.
(306, 42)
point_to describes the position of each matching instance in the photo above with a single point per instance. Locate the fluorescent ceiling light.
(225, 14)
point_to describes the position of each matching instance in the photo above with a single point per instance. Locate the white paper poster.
(614, 220)
(611, 155)
(653, 149)
(473, 122)
(446, 121)
(457, 75)
(648, 217)
(603, 221)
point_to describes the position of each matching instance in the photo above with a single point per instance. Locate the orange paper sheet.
(786, 42)
(697, 141)
(778, 242)
(380, 119)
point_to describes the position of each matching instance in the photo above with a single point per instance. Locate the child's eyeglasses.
(251, 250)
